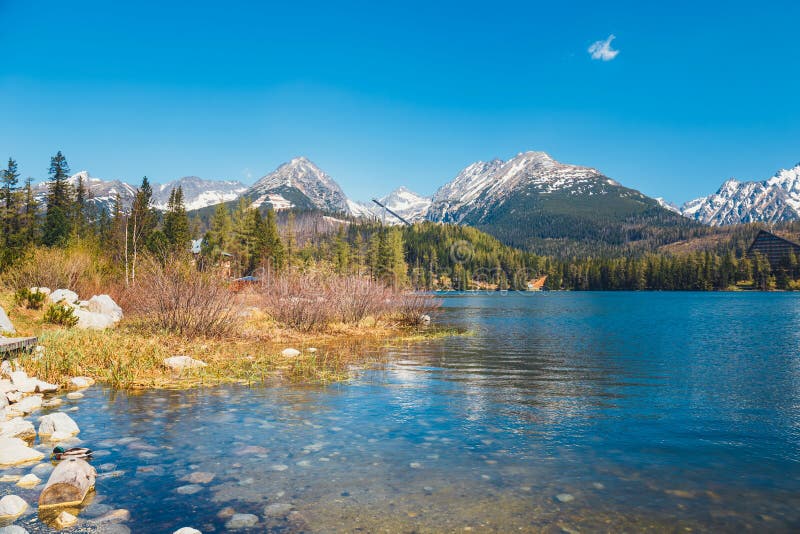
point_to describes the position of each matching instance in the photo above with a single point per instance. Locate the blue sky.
(383, 94)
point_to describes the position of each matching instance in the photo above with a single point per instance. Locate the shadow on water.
(565, 412)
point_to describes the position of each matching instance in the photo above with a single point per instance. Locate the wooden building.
(775, 248)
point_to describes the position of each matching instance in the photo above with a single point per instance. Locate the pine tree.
(9, 212)
(176, 222)
(79, 215)
(29, 223)
(220, 233)
(57, 224)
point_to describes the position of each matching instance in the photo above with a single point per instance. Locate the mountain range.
(530, 200)
(197, 192)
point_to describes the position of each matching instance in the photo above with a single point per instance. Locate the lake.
(562, 412)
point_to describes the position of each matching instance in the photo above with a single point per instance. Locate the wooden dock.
(12, 344)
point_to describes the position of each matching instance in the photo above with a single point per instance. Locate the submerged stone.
(238, 521)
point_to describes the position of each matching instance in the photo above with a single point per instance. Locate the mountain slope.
(535, 202)
(300, 184)
(774, 200)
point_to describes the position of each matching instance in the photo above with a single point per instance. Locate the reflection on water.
(564, 412)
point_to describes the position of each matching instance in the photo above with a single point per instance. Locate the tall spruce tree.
(9, 213)
(57, 223)
(176, 222)
(29, 222)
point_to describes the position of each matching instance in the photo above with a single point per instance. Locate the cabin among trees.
(776, 249)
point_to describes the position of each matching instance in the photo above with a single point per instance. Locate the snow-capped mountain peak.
(482, 185)
(772, 200)
(197, 192)
(299, 181)
(409, 205)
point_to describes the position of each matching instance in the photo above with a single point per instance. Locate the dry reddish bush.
(311, 301)
(176, 297)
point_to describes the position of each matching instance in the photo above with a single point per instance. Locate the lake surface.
(563, 412)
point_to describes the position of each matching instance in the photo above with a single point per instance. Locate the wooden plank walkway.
(10, 344)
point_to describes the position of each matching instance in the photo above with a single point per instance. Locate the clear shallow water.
(659, 411)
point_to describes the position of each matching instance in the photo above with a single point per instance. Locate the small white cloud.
(602, 49)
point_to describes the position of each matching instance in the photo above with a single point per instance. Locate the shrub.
(173, 295)
(30, 299)
(61, 314)
(412, 308)
(78, 267)
(311, 301)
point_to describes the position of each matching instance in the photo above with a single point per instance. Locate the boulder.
(22, 382)
(70, 297)
(185, 530)
(14, 451)
(179, 363)
(28, 481)
(89, 320)
(11, 507)
(17, 428)
(64, 520)
(5, 323)
(81, 382)
(45, 387)
(57, 422)
(44, 290)
(29, 404)
(241, 521)
(5, 368)
(105, 305)
(290, 353)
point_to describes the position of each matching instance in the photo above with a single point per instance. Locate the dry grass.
(127, 358)
(77, 268)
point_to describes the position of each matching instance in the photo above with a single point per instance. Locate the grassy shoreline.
(131, 355)
(126, 359)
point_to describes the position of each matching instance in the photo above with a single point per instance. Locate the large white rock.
(105, 305)
(17, 428)
(5, 368)
(45, 387)
(290, 353)
(89, 320)
(57, 422)
(14, 451)
(45, 290)
(11, 507)
(29, 404)
(70, 297)
(5, 323)
(80, 382)
(22, 382)
(179, 363)
(185, 530)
